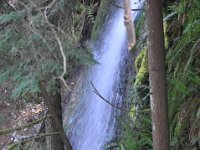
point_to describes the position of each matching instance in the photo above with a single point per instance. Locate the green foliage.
(137, 134)
(2, 119)
(142, 64)
(183, 74)
(11, 17)
(30, 52)
(137, 125)
(182, 38)
(132, 112)
(165, 35)
(184, 80)
(26, 86)
(138, 61)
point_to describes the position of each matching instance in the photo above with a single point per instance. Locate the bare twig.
(50, 6)
(130, 28)
(6, 131)
(61, 77)
(117, 107)
(11, 4)
(105, 100)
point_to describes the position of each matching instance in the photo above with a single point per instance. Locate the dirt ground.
(17, 113)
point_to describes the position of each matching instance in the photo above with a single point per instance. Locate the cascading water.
(93, 124)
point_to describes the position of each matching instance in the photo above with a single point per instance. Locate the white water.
(94, 123)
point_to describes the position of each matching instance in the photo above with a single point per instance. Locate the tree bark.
(54, 142)
(157, 76)
(54, 124)
(129, 24)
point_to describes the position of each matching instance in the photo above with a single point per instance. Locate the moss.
(177, 129)
(143, 69)
(165, 35)
(138, 61)
(132, 112)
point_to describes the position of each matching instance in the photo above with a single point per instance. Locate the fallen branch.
(6, 131)
(24, 140)
(130, 28)
(117, 107)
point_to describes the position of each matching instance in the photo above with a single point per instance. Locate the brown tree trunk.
(54, 124)
(157, 76)
(54, 142)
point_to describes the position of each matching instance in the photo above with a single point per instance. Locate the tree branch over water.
(117, 107)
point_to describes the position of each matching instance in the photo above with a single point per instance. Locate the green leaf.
(26, 86)
(20, 88)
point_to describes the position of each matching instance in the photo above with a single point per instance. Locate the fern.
(30, 54)
(183, 74)
(26, 86)
(12, 17)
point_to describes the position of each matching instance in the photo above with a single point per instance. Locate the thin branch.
(61, 77)
(40, 136)
(117, 107)
(10, 4)
(6, 131)
(50, 6)
(24, 140)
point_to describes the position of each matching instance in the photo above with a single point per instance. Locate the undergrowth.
(182, 44)
(183, 73)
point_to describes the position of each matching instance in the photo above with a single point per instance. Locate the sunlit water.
(94, 123)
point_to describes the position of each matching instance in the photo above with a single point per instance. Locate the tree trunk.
(129, 24)
(157, 76)
(54, 142)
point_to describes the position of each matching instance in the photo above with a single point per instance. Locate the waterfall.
(93, 124)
